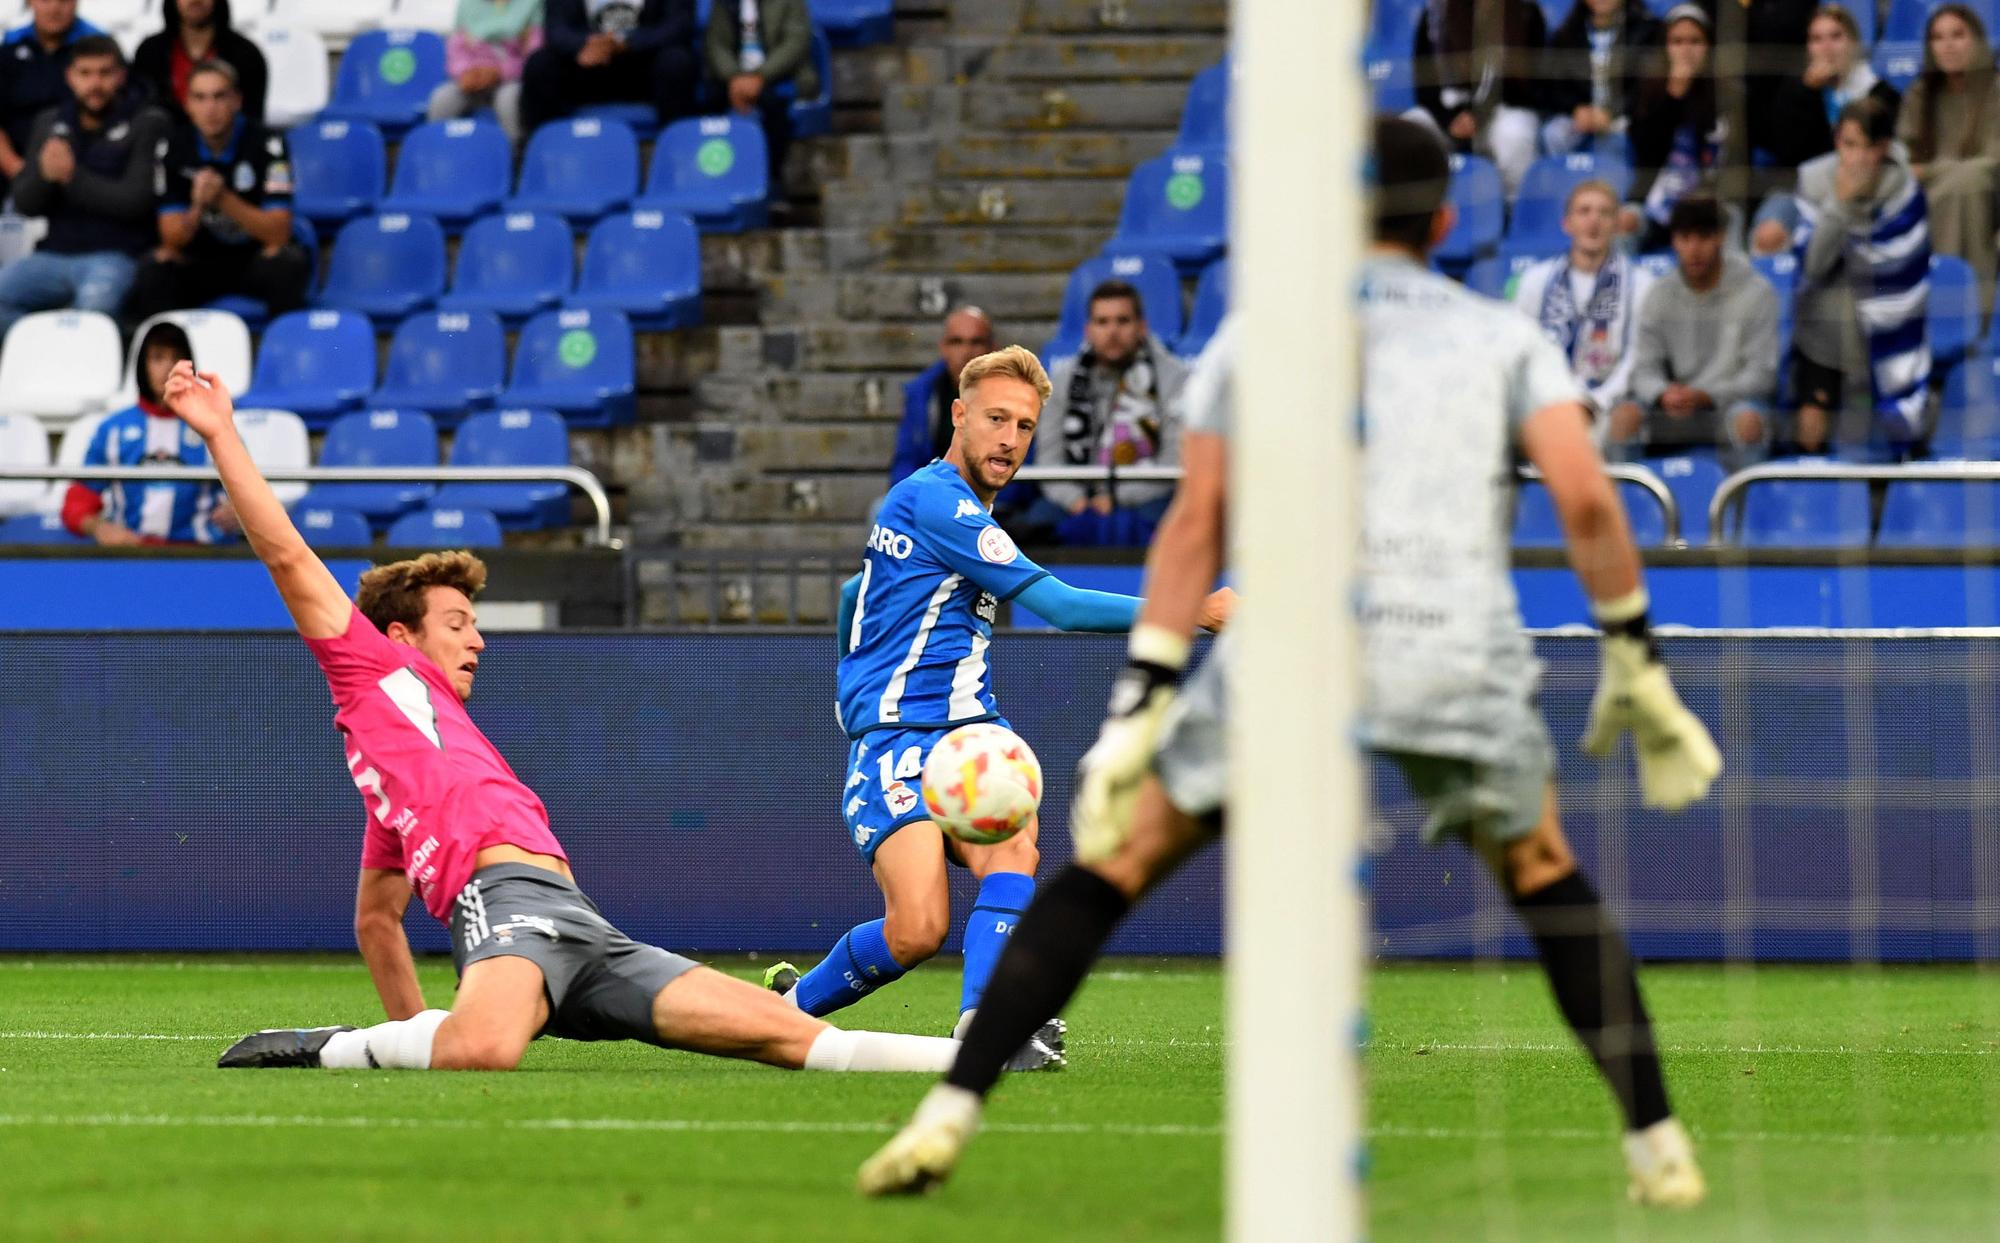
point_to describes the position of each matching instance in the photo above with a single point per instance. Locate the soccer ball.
(982, 783)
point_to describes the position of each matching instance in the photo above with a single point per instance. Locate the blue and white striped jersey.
(935, 571)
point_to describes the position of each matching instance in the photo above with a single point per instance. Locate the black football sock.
(1046, 958)
(1597, 990)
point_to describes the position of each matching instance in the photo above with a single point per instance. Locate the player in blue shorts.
(914, 629)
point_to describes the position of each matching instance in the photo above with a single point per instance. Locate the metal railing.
(1726, 492)
(575, 476)
(1114, 475)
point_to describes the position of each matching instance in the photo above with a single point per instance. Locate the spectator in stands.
(1676, 131)
(759, 55)
(490, 43)
(198, 31)
(1117, 410)
(1797, 125)
(612, 51)
(33, 59)
(90, 171)
(125, 514)
(1477, 65)
(1950, 123)
(1860, 361)
(225, 212)
(1707, 365)
(926, 428)
(1588, 300)
(1592, 73)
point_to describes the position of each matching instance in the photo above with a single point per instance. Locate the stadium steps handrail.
(575, 476)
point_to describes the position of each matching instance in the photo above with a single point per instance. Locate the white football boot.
(1660, 1160)
(924, 1153)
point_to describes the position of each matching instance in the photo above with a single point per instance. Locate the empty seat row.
(713, 169)
(645, 264)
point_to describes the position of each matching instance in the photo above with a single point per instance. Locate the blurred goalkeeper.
(1449, 688)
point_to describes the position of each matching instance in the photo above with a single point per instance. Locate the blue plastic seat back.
(446, 527)
(331, 526)
(314, 350)
(1152, 273)
(1954, 312)
(514, 264)
(512, 437)
(451, 169)
(1205, 114)
(1940, 513)
(1178, 203)
(580, 168)
(38, 529)
(1692, 478)
(577, 361)
(387, 76)
(1805, 513)
(341, 168)
(709, 167)
(1392, 79)
(445, 352)
(386, 265)
(645, 262)
(1475, 191)
(1211, 303)
(1538, 207)
(853, 23)
(1538, 525)
(377, 438)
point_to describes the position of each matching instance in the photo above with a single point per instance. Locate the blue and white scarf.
(1584, 334)
(1888, 268)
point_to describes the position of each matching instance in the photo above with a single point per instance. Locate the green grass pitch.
(1830, 1104)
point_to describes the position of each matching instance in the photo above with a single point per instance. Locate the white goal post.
(1299, 113)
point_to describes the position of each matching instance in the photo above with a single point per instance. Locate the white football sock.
(964, 1024)
(401, 1045)
(835, 1049)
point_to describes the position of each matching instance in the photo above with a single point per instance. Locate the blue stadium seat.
(1485, 276)
(453, 170)
(582, 168)
(1940, 513)
(442, 527)
(446, 364)
(1392, 79)
(1150, 272)
(1211, 303)
(329, 526)
(855, 23)
(645, 263)
(1863, 12)
(1693, 479)
(713, 169)
(1954, 313)
(641, 119)
(387, 76)
(316, 364)
(1805, 513)
(1537, 525)
(813, 117)
(513, 265)
(577, 363)
(512, 438)
(1177, 203)
(1538, 209)
(1205, 115)
(1476, 192)
(377, 438)
(341, 170)
(38, 529)
(385, 266)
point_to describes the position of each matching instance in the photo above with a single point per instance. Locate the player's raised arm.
(1677, 758)
(319, 608)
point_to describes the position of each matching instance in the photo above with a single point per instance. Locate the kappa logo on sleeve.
(970, 509)
(997, 546)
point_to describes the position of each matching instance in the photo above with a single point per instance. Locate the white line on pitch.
(760, 1127)
(101, 1036)
(1746, 1050)
(1487, 1134)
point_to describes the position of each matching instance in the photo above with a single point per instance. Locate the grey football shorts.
(1468, 799)
(600, 982)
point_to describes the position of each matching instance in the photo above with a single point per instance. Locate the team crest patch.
(900, 798)
(997, 546)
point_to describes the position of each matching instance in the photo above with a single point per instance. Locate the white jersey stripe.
(891, 709)
(860, 605)
(967, 679)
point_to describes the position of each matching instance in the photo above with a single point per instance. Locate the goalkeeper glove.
(1109, 775)
(1677, 758)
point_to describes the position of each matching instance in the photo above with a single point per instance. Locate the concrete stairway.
(979, 159)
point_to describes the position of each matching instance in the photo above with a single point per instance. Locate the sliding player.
(914, 629)
(449, 820)
(1449, 678)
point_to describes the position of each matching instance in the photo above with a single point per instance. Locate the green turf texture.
(1829, 1104)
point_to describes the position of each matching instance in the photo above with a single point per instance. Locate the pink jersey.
(436, 791)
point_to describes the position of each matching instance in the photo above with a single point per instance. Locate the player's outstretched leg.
(909, 867)
(1596, 987)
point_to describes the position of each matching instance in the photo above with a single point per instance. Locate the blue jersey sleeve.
(960, 533)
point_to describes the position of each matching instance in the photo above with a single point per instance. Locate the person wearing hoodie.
(196, 31)
(490, 43)
(1707, 367)
(90, 173)
(122, 514)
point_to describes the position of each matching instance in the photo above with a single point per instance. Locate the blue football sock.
(1002, 898)
(857, 965)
